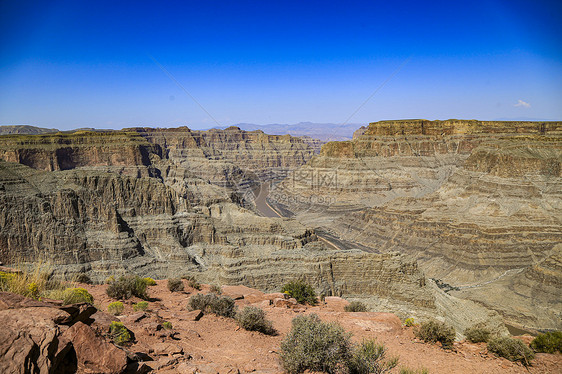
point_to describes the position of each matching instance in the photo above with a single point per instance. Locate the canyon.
(419, 205)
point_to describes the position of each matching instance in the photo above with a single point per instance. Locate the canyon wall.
(477, 203)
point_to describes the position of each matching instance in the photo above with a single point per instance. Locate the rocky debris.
(48, 338)
(93, 353)
(193, 315)
(162, 349)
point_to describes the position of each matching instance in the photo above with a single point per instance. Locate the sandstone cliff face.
(162, 203)
(470, 200)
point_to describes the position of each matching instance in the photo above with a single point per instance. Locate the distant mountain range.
(322, 131)
(24, 129)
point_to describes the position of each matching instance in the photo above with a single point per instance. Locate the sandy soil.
(217, 345)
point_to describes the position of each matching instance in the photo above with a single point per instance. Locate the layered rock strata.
(470, 200)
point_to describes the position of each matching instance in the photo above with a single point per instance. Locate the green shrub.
(194, 284)
(175, 285)
(141, 305)
(126, 287)
(167, 325)
(109, 279)
(548, 343)
(435, 331)
(83, 278)
(355, 306)
(216, 289)
(219, 305)
(301, 291)
(116, 308)
(149, 281)
(314, 345)
(409, 322)
(370, 358)
(77, 295)
(253, 319)
(119, 333)
(477, 334)
(512, 349)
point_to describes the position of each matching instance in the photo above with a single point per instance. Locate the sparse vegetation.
(175, 285)
(477, 334)
(370, 358)
(83, 278)
(409, 322)
(194, 284)
(119, 333)
(512, 349)
(116, 308)
(216, 289)
(355, 306)
(435, 331)
(219, 305)
(320, 346)
(301, 291)
(167, 325)
(149, 281)
(549, 342)
(314, 345)
(253, 319)
(126, 287)
(77, 295)
(141, 305)
(34, 284)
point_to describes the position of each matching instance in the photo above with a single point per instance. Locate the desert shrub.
(116, 308)
(149, 281)
(82, 278)
(175, 285)
(512, 349)
(409, 322)
(314, 345)
(126, 287)
(77, 295)
(167, 325)
(219, 305)
(477, 334)
(141, 305)
(370, 358)
(216, 289)
(194, 284)
(109, 279)
(34, 284)
(119, 333)
(549, 342)
(406, 370)
(253, 319)
(355, 306)
(435, 331)
(301, 291)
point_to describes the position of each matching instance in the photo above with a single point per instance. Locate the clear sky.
(70, 64)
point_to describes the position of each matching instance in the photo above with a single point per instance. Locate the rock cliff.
(472, 201)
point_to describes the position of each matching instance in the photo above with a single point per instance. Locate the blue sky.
(70, 64)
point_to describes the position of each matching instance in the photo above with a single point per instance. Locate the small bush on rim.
(149, 281)
(434, 331)
(253, 319)
(355, 306)
(119, 333)
(370, 358)
(314, 345)
(141, 305)
(127, 287)
(175, 285)
(219, 305)
(167, 325)
(409, 322)
(77, 295)
(512, 349)
(216, 289)
(477, 334)
(116, 308)
(549, 342)
(301, 291)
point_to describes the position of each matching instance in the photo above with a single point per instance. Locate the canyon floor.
(215, 344)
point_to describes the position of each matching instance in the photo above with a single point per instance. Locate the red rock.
(287, 303)
(93, 353)
(162, 349)
(194, 315)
